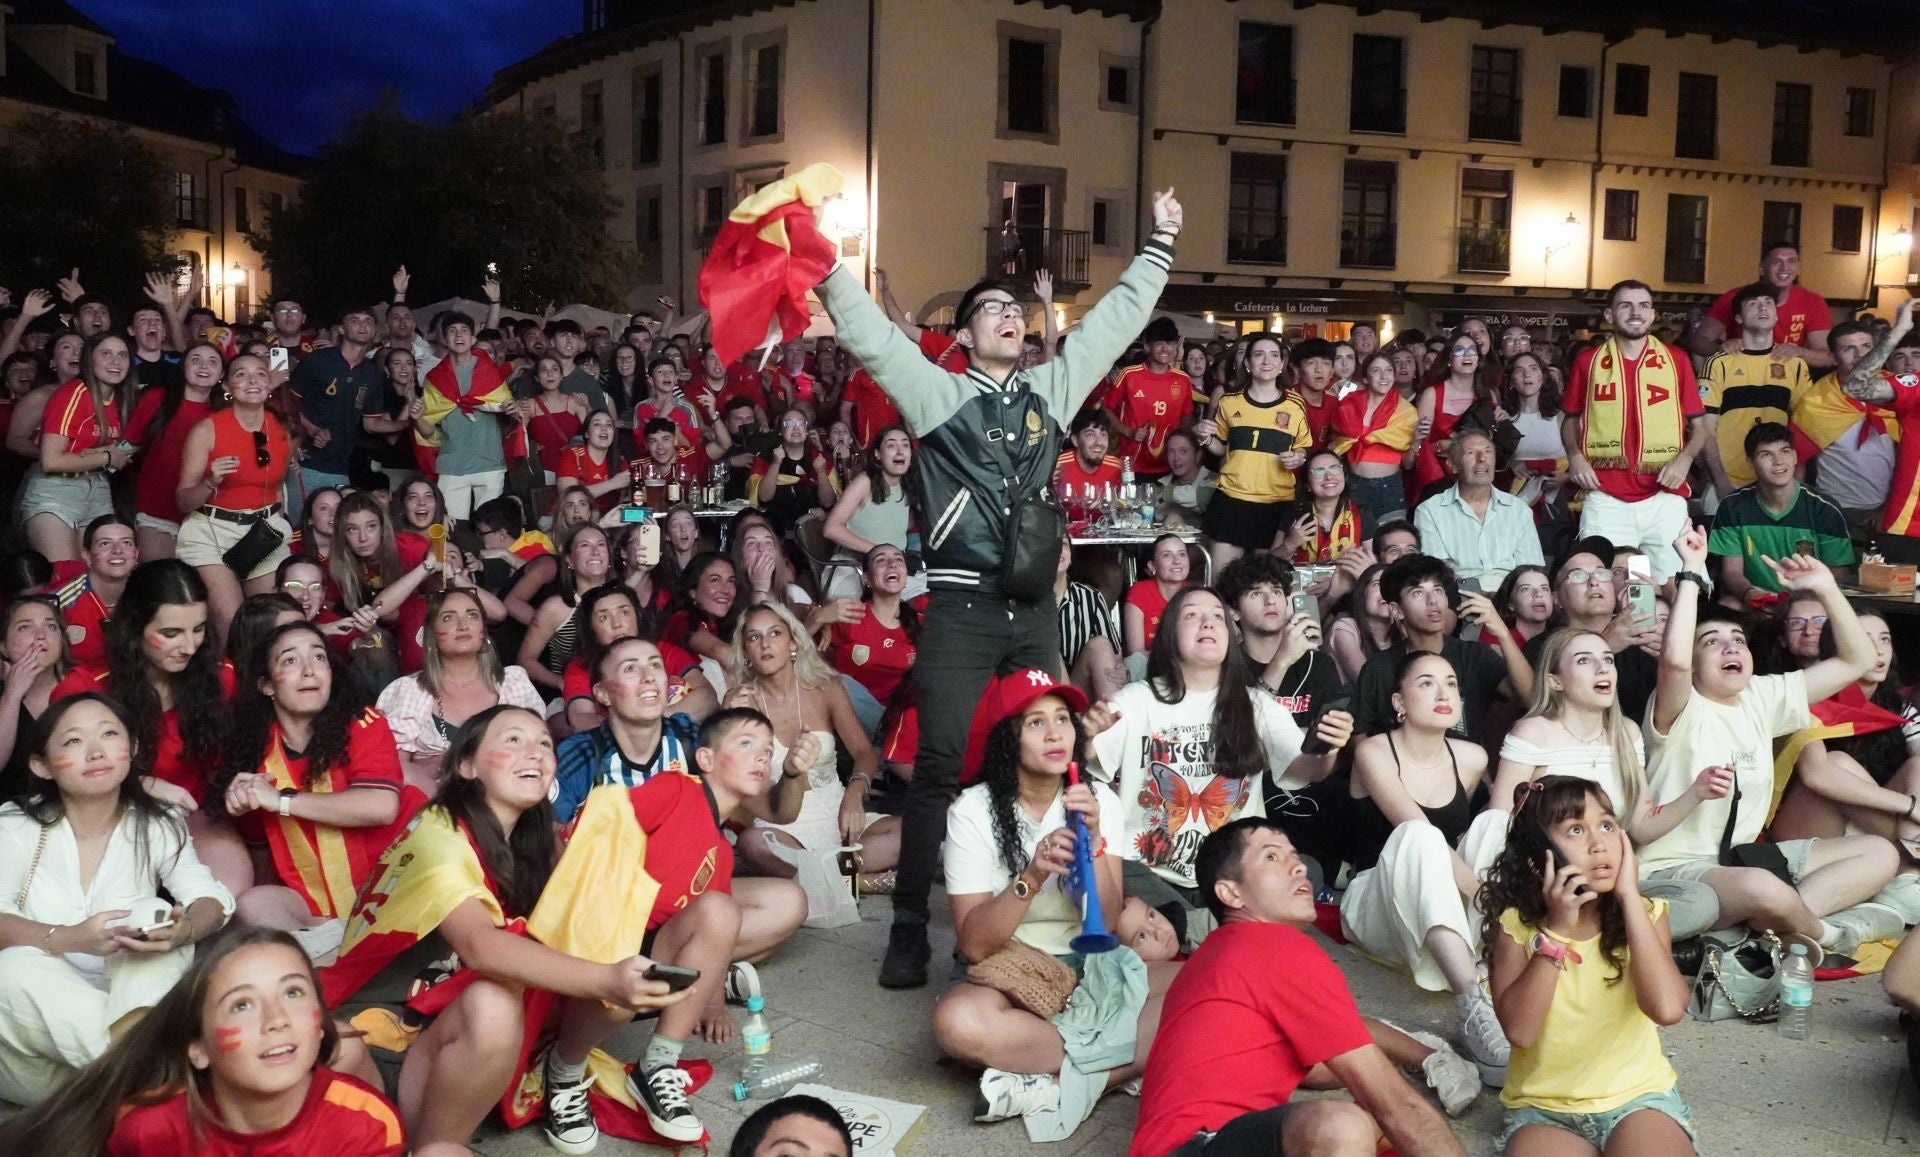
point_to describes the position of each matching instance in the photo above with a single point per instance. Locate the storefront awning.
(1500, 312)
(1295, 303)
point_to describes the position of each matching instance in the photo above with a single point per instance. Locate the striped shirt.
(1084, 613)
(593, 759)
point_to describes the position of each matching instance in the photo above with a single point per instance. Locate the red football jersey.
(341, 1117)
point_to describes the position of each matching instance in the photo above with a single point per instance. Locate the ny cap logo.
(1039, 678)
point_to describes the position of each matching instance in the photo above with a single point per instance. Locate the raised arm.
(1799, 572)
(895, 314)
(1104, 333)
(1674, 684)
(925, 394)
(1865, 382)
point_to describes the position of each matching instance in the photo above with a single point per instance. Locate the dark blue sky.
(300, 68)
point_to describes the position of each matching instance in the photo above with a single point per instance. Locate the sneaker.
(905, 965)
(322, 939)
(1485, 1041)
(569, 1119)
(743, 981)
(1451, 1076)
(662, 1095)
(1903, 896)
(1004, 1095)
(1863, 924)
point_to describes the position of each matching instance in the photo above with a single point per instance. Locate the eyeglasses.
(297, 589)
(1578, 576)
(1801, 623)
(1326, 471)
(994, 307)
(260, 455)
(1465, 353)
(289, 310)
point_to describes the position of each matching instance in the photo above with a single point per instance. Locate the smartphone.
(1313, 744)
(649, 532)
(1471, 584)
(277, 359)
(678, 979)
(493, 269)
(1304, 605)
(147, 930)
(1560, 860)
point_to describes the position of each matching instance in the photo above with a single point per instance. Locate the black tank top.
(1371, 826)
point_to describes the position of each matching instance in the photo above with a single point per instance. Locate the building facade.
(1401, 163)
(227, 180)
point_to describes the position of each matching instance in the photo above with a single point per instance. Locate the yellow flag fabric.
(596, 903)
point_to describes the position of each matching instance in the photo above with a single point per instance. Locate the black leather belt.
(243, 517)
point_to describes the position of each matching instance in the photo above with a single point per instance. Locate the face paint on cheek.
(228, 1039)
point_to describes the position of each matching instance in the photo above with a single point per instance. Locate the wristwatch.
(1021, 889)
(286, 802)
(1553, 950)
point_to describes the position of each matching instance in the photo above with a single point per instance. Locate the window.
(1366, 215)
(763, 90)
(1486, 213)
(272, 203)
(710, 205)
(711, 70)
(1849, 223)
(1792, 124)
(1119, 83)
(1697, 118)
(189, 211)
(1104, 222)
(646, 116)
(1257, 208)
(1576, 91)
(1622, 215)
(242, 211)
(593, 122)
(1686, 239)
(1263, 84)
(1028, 73)
(86, 76)
(1630, 85)
(1493, 102)
(1377, 96)
(593, 15)
(649, 234)
(1859, 112)
(1780, 223)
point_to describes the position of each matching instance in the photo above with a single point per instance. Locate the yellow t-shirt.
(1597, 1050)
(1745, 390)
(1256, 434)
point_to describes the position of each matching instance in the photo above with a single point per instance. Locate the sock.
(661, 1051)
(1829, 935)
(562, 1072)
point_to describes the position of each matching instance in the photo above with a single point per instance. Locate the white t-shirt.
(1705, 734)
(974, 866)
(1159, 759)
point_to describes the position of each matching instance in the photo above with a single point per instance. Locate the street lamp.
(1901, 241)
(1563, 236)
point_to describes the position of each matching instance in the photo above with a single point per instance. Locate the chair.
(811, 534)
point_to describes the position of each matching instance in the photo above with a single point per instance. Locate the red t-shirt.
(85, 613)
(1903, 502)
(371, 759)
(577, 683)
(155, 490)
(70, 414)
(341, 1117)
(169, 752)
(1261, 1002)
(944, 350)
(692, 455)
(876, 655)
(872, 410)
(743, 381)
(1321, 416)
(1631, 485)
(1161, 402)
(1804, 312)
(1071, 477)
(686, 850)
(1145, 597)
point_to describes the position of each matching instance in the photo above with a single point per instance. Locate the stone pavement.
(1843, 1092)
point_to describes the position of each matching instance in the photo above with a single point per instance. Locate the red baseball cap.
(1011, 694)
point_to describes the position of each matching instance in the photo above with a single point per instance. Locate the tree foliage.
(445, 201)
(75, 192)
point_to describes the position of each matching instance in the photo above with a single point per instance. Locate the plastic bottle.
(1796, 994)
(774, 1081)
(757, 1039)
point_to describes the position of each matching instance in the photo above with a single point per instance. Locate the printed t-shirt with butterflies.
(1159, 758)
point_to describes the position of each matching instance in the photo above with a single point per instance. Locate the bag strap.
(39, 849)
(1733, 816)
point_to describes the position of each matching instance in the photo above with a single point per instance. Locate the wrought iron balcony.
(1018, 252)
(1484, 249)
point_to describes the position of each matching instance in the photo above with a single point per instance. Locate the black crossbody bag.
(1036, 525)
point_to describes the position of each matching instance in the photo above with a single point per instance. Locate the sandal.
(875, 883)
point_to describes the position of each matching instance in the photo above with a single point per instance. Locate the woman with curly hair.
(371, 567)
(1582, 976)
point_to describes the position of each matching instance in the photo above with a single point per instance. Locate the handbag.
(1740, 980)
(1765, 856)
(1035, 530)
(1027, 976)
(261, 540)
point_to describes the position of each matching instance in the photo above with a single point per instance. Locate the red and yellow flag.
(1847, 713)
(442, 400)
(765, 258)
(327, 864)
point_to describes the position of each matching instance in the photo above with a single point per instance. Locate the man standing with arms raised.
(1634, 432)
(987, 443)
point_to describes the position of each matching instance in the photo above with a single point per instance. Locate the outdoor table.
(1121, 538)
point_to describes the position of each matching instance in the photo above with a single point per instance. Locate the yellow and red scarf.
(1330, 542)
(1825, 412)
(443, 399)
(1655, 412)
(1390, 429)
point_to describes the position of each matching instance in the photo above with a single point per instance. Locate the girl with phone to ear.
(1582, 975)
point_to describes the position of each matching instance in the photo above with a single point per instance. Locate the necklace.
(1586, 741)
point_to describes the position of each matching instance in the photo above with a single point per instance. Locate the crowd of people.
(392, 713)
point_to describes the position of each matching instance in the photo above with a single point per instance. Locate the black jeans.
(967, 638)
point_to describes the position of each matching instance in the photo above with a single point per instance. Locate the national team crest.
(861, 653)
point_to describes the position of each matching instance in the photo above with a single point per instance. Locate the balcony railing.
(190, 213)
(1483, 249)
(1497, 121)
(1018, 252)
(1368, 245)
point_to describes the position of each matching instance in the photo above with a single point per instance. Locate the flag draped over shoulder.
(1847, 713)
(324, 863)
(442, 401)
(765, 258)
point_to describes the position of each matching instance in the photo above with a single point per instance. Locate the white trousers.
(53, 1020)
(1389, 909)
(1649, 526)
(464, 492)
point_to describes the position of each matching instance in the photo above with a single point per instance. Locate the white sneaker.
(323, 939)
(1004, 1095)
(569, 1122)
(1452, 1077)
(1863, 924)
(1485, 1041)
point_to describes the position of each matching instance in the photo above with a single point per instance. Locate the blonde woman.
(1575, 726)
(777, 670)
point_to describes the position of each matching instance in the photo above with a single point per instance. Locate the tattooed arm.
(1865, 381)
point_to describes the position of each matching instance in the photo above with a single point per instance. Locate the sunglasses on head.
(260, 456)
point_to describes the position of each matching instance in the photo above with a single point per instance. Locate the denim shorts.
(1595, 1128)
(75, 499)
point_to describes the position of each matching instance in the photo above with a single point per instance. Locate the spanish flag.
(1847, 713)
(765, 258)
(1825, 412)
(443, 401)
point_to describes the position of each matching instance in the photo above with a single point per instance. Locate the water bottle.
(774, 1081)
(1796, 994)
(756, 1038)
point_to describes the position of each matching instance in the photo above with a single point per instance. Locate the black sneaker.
(662, 1094)
(905, 965)
(570, 1126)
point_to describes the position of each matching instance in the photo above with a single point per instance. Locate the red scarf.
(487, 384)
